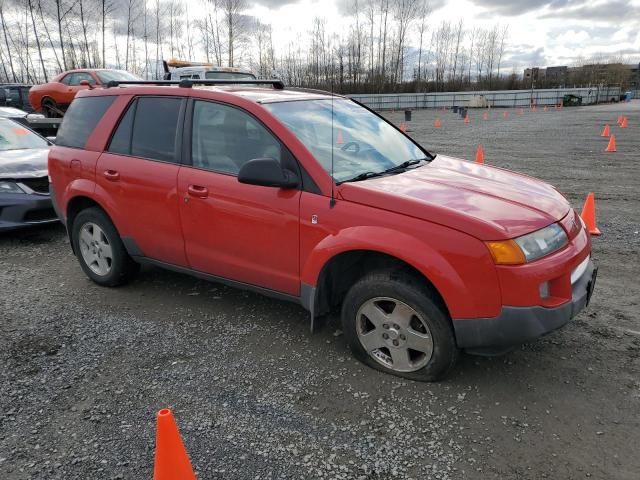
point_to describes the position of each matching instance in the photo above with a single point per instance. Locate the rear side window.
(81, 119)
(149, 129)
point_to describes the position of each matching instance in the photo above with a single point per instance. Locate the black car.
(15, 95)
(24, 182)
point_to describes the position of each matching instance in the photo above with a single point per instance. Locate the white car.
(207, 72)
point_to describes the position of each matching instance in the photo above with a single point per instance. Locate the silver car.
(24, 183)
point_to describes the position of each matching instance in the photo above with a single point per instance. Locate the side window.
(83, 76)
(224, 138)
(149, 129)
(67, 78)
(121, 140)
(81, 119)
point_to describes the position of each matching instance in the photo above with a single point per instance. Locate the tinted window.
(225, 138)
(149, 129)
(121, 140)
(81, 119)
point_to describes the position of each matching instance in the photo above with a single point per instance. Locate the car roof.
(259, 95)
(268, 95)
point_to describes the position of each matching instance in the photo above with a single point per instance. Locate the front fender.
(457, 281)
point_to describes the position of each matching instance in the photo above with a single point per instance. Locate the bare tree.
(423, 11)
(35, 32)
(232, 12)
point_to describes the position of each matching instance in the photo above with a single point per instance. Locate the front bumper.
(25, 210)
(516, 325)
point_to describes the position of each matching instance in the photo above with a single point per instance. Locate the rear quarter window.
(81, 119)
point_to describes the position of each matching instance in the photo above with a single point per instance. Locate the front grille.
(40, 215)
(38, 185)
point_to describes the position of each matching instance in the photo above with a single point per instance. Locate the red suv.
(314, 198)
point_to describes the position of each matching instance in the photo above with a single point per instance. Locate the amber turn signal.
(506, 252)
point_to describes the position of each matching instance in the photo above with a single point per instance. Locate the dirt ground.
(84, 369)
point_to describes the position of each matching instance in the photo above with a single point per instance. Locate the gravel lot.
(84, 369)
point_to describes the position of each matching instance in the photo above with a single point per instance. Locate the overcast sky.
(541, 32)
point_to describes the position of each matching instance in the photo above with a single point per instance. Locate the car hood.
(24, 163)
(487, 202)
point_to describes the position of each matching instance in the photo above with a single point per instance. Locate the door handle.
(198, 191)
(111, 175)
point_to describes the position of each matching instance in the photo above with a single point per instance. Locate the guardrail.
(498, 98)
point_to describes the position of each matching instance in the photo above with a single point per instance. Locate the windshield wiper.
(397, 168)
(403, 166)
(362, 176)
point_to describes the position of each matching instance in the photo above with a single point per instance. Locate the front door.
(245, 233)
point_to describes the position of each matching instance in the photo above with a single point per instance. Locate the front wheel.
(100, 250)
(394, 323)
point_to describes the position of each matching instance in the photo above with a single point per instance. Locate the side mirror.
(267, 172)
(86, 83)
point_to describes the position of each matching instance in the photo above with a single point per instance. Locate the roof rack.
(190, 82)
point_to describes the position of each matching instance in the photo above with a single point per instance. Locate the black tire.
(417, 295)
(49, 108)
(122, 267)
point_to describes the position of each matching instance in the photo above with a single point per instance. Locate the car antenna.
(332, 202)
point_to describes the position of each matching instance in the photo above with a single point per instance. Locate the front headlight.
(529, 247)
(9, 187)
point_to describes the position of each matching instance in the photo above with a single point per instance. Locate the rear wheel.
(49, 108)
(394, 323)
(100, 250)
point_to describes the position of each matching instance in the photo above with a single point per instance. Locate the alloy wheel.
(95, 249)
(394, 334)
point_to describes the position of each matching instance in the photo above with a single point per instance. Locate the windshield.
(14, 136)
(106, 76)
(228, 76)
(361, 142)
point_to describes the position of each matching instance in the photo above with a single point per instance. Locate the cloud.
(619, 11)
(274, 4)
(524, 56)
(519, 7)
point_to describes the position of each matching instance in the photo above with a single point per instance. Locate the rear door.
(246, 233)
(138, 175)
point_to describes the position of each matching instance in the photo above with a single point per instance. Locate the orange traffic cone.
(466, 119)
(619, 121)
(589, 214)
(605, 131)
(339, 139)
(403, 127)
(485, 116)
(480, 155)
(172, 461)
(612, 144)
(505, 115)
(624, 123)
(437, 123)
